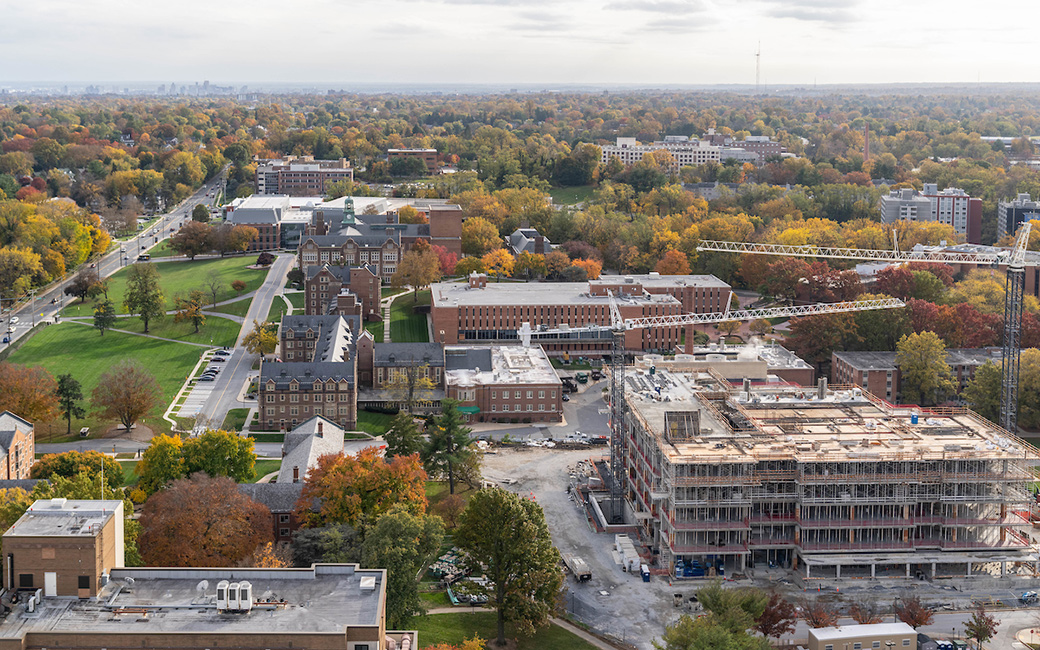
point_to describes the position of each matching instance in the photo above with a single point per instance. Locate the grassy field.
(456, 627)
(386, 292)
(129, 478)
(268, 437)
(162, 249)
(297, 300)
(437, 491)
(277, 310)
(376, 330)
(235, 420)
(80, 351)
(571, 195)
(265, 467)
(406, 327)
(177, 278)
(215, 331)
(238, 308)
(373, 423)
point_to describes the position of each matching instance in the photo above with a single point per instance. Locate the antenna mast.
(758, 66)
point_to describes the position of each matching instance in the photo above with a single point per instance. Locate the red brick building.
(17, 447)
(877, 372)
(507, 383)
(300, 176)
(342, 290)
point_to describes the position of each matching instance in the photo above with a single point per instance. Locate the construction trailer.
(578, 567)
(830, 482)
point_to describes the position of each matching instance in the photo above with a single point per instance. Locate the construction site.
(829, 483)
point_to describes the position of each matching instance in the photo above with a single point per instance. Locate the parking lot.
(201, 388)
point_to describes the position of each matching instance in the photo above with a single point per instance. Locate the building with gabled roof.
(17, 446)
(305, 444)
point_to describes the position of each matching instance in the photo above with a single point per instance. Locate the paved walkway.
(147, 336)
(385, 303)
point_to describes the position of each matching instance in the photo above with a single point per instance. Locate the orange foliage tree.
(28, 392)
(356, 490)
(673, 263)
(202, 522)
(592, 267)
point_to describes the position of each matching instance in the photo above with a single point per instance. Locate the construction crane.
(1014, 290)
(619, 326)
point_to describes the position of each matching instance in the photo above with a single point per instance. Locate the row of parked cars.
(210, 374)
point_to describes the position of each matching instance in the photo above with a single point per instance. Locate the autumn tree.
(104, 316)
(70, 394)
(499, 262)
(450, 509)
(556, 263)
(357, 490)
(924, 376)
(194, 238)
(778, 617)
(760, 326)
(269, 556)
(262, 340)
(126, 392)
(981, 626)
(528, 265)
(202, 522)
(449, 444)
(468, 265)
(69, 464)
(814, 338)
(913, 612)
(30, 392)
(161, 463)
(419, 268)
(479, 236)
(143, 295)
(446, 259)
(13, 504)
(591, 267)
(409, 384)
(228, 238)
(85, 284)
(507, 536)
(866, 612)
(220, 453)
(190, 309)
(238, 286)
(404, 544)
(818, 613)
(673, 263)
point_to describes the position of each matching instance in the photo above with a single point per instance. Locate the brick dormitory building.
(64, 559)
(483, 312)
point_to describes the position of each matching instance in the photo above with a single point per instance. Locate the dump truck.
(578, 567)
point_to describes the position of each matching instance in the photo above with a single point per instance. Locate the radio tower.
(758, 65)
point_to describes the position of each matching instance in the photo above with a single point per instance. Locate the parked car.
(218, 359)
(566, 398)
(207, 378)
(222, 353)
(144, 257)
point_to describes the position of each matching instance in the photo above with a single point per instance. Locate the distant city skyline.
(559, 42)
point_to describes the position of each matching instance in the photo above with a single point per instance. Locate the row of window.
(516, 408)
(517, 393)
(293, 399)
(295, 410)
(859, 646)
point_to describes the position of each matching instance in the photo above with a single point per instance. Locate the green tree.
(143, 295)
(161, 464)
(220, 453)
(332, 544)
(104, 316)
(449, 445)
(200, 213)
(703, 633)
(983, 392)
(924, 375)
(734, 609)
(70, 393)
(404, 544)
(403, 438)
(190, 309)
(507, 535)
(69, 464)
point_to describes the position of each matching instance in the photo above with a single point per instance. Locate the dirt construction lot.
(614, 603)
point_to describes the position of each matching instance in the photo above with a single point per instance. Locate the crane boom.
(769, 312)
(835, 252)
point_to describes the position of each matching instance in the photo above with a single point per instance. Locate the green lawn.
(235, 419)
(376, 330)
(277, 310)
(435, 599)
(373, 423)
(129, 478)
(80, 351)
(386, 292)
(406, 327)
(265, 467)
(571, 195)
(238, 308)
(162, 249)
(177, 278)
(297, 300)
(456, 627)
(215, 331)
(437, 491)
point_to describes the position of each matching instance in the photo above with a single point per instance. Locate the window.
(494, 394)
(516, 407)
(84, 582)
(828, 647)
(906, 642)
(494, 407)
(284, 519)
(283, 532)
(270, 410)
(516, 395)
(530, 394)
(541, 394)
(294, 410)
(25, 581)
(876, 644)
(294, 398)
(530, 407)
(857, 646)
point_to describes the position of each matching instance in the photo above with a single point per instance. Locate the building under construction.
(831, 482)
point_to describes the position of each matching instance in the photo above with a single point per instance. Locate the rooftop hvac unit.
(245, 596)
(222, 595)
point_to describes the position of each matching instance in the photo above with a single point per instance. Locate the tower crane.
(1014, 289)
(619, 326)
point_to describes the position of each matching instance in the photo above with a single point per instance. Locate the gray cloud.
(680, 24)
(658, 6)
(824, 11)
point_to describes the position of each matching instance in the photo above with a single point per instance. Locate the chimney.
(821, 388)
(539, 245)
(477, 280)
(320, 432)
(296, 474)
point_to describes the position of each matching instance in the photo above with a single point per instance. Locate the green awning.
(468, 409)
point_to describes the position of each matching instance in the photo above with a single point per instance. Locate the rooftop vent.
(368, 583)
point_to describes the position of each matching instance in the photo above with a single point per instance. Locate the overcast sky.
(521, 41)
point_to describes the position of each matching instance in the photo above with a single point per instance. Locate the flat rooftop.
(875, 629)
(64, 518)
(497, 365)
(867, 360)
(326, 598)
(450, 294)
(785, 422)
(656, 280)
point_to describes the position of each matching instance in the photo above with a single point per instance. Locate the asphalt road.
(50, 300)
